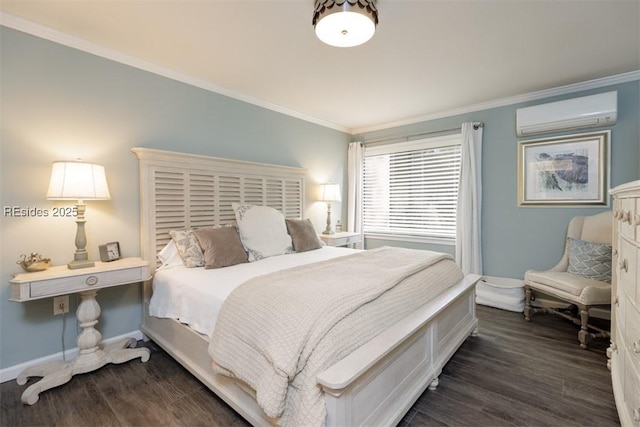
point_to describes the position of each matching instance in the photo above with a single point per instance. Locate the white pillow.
(263, 231)
(169, 255)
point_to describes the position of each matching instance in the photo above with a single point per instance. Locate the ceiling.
(426, 58)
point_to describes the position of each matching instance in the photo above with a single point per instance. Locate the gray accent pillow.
(590, 259)
(303, 234)
(222, 247)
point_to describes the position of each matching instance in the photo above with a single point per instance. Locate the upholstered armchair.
(582, 278)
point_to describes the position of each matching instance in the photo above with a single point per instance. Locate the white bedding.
(277, 332)
(194, 295)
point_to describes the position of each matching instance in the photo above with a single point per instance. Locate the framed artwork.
(569, 170)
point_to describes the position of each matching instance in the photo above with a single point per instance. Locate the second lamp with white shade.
(329, 193)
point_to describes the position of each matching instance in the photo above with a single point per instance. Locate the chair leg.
(527, 303)
(584, 336)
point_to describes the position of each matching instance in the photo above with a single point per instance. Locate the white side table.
(342, 238)
(59, 280)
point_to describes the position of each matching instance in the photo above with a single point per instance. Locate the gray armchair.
(580, 283)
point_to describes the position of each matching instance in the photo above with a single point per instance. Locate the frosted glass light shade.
(345, 23)
(330, 193)
(345, 29)
(78, 181)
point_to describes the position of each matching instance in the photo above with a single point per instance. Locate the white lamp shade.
(72, 180)
(330, 193)
(345, 29)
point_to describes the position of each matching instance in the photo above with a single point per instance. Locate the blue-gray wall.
(60, 103)
(515, 239)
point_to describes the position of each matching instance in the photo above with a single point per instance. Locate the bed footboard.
(376, 384)
(379, 382)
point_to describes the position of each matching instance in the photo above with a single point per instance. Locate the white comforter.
(194, 296)
(277, 332)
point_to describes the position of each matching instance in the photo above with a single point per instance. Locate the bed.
(375, 383)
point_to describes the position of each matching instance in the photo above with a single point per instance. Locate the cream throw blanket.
(270, 330)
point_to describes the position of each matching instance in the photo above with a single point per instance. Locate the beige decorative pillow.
(222, 247)
(304, 235)
(188, 247)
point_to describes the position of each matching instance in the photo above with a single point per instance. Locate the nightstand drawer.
(59, 280)
(351, 239)
(85, 282)
(341, 238)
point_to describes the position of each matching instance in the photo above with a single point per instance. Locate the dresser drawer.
(626, 216)
(627, 269)
(84, 282)
(632, 335)
(620, 309)
(632, 392)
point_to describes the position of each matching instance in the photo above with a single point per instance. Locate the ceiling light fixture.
(345, 23)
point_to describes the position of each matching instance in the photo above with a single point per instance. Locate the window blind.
(411, 189)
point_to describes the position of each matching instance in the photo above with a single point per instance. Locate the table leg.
(92, 355)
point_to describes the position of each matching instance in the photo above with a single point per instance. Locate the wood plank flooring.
(513, 374)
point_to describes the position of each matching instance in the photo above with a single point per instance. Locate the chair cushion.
(590, 259)
(570, 286)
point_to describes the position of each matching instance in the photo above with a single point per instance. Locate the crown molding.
(532, 96)
(47, 33)
(29, 27)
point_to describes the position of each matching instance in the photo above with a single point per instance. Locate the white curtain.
(354, 190)
(469, 209)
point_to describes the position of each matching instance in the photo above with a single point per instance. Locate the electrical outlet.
(61, 304)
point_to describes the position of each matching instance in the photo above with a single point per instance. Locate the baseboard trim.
(12, 372)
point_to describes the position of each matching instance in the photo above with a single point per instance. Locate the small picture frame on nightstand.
(109, 251)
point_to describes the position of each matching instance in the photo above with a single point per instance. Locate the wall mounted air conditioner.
(587, 111)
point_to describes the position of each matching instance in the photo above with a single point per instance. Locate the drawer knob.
(636, 346)
(91, 280)
(616, 301)
(624, 265)
(636, 414)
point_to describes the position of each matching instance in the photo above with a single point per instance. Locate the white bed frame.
(376, 384)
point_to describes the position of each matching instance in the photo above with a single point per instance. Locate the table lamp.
(76, 180)
(329, 193)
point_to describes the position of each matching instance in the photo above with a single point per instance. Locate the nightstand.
(60, 280)
(342, 238)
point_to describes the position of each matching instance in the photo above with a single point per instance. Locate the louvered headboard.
(181, 191)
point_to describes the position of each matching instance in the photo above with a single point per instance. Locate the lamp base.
(328, 229)
(78, 264)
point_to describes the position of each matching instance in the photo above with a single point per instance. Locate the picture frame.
(567, 170)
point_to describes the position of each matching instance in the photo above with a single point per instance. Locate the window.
(410, 189)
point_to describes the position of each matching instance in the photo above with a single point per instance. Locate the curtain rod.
(476, 125)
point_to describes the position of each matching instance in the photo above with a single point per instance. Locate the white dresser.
(624, 352)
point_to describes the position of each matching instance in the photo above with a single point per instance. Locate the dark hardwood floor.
(513, 374)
